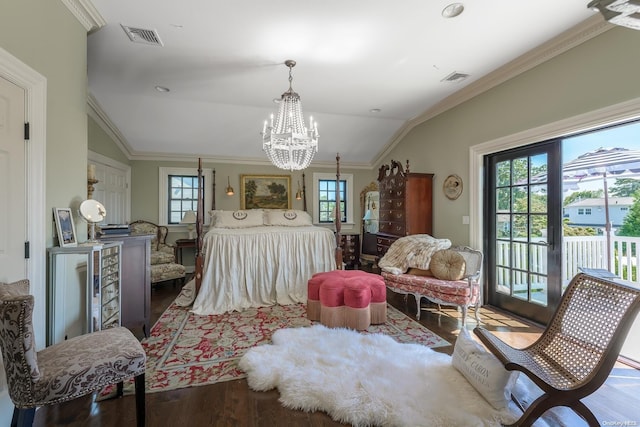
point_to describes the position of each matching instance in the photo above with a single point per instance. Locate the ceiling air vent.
(455, 77)
(141, 35)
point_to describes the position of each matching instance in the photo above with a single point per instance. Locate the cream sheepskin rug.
(367, 379)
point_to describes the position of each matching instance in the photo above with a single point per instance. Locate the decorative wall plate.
(452, 187)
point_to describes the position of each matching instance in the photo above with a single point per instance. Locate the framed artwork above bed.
(265, 191)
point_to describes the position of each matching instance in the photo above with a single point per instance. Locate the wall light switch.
(465, 219)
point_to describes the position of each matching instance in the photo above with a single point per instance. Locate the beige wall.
(600, 72)
(46, 36)
(145, 191)
(100, 142)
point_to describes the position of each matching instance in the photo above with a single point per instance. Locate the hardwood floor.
(232, 403)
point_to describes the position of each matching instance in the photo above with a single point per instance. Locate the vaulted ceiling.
(366, 69)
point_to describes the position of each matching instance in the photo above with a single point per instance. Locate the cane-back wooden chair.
(575, 354)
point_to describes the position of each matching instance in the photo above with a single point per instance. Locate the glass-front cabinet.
(83, 293)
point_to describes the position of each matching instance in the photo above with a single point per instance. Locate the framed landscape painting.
(265, 191)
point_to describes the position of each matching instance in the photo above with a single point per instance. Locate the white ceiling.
(223, 63)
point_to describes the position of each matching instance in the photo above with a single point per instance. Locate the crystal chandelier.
(287, 142)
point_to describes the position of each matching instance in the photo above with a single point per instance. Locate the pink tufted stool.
(357, 297)
(378, 301)
(330, 302)
(313, 297)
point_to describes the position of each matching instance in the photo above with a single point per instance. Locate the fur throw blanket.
(413, 251)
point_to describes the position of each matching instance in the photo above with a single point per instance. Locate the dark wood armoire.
(405, 204)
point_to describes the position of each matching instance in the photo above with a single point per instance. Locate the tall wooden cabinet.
(405, 204)
(136, 281)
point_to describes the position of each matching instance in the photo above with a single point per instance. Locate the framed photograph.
(65, 227)
(265, 191)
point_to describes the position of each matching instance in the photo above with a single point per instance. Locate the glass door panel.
(519, 247)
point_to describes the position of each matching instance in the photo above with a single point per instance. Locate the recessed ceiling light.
(452, 10)
(162, 89)
(375, 110)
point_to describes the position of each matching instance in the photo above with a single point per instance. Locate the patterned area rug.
(187, 350)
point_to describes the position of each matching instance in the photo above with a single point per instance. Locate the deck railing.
(580, 251)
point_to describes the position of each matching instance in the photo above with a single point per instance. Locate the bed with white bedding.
(258, 257)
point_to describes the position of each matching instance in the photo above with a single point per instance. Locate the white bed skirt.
(261, 266)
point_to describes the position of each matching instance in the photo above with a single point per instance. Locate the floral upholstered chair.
(163, 259)
(67, 370)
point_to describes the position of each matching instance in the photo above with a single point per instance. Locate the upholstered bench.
(459, 272)
(347, 298)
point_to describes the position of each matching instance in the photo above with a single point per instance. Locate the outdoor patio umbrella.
(603, 162)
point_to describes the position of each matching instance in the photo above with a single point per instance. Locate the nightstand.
(179, 245)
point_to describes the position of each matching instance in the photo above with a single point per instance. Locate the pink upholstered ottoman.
(378, 301)
(328, 290)
(313, 288)
(357, 297)
(313, 297)
(332, 303)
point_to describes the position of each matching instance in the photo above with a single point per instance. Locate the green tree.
(581, 195)
(568, 230)
(631, 223)
(624, 187)
(277, 190)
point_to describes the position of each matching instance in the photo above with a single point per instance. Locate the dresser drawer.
(350, 244)
(393, 227)
(383, 243)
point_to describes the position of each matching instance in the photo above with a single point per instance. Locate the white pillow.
(287, 218)
(483, 371)
(237, 219)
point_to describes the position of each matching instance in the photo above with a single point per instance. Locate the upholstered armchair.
(75, 367)
(163, 260)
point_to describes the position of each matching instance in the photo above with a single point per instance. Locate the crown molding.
(96, 112)
(86, 13)
(571, 38)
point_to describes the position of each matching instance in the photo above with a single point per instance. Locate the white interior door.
(112, 189)
(13, 218)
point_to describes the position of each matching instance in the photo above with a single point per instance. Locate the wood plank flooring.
(232, 403)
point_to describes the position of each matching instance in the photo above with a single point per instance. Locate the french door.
(523, 214)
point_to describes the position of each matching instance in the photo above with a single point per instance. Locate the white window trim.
(162, 193)
(317, 176)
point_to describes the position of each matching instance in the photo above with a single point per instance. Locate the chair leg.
(582, 410)
(534, 411)
(140, 400)
(464, 314)
(23, 417)
(119, 389)
(418, 298)
(478, 312)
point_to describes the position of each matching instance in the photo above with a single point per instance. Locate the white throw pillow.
(483, 371)
(287, 218)
(237, 219)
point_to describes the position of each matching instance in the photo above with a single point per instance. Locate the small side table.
(180, 245)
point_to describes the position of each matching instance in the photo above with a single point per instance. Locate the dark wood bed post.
(304, 194)
(213, 195)
(338, 216)
(199, 221)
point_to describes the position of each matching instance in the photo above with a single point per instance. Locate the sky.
(622, 136)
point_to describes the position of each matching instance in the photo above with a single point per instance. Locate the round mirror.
(92, 211)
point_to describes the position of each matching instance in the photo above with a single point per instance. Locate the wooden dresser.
(350, 244)
(405, 204)
(135, 291)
